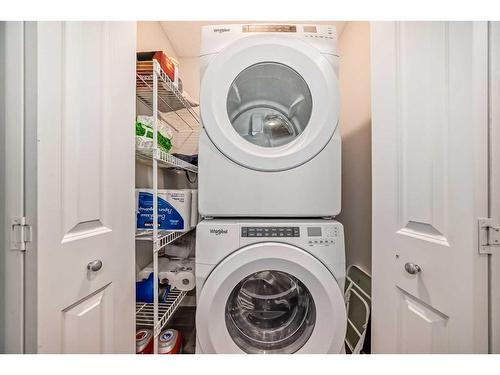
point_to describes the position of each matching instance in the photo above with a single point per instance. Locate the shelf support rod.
(155, 205)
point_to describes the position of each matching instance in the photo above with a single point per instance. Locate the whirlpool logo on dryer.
(218, 232)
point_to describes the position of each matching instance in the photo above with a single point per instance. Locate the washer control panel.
(319, 235)
(322, 236)
(270, 231)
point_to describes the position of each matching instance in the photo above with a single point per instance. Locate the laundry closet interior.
(249, 187)
(179, 112)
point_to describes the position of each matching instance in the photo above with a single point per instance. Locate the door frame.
(31, 191)
(12, 203)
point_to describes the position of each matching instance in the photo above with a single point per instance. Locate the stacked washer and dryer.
(270, 258)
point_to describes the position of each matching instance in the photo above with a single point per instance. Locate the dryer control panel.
(214, 38)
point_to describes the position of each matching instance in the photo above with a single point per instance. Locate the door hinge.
(20, 233)
(488, 236)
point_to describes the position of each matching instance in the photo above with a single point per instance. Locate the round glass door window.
(270, 312)
(269, 104)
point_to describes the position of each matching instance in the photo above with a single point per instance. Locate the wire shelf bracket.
(144, 312)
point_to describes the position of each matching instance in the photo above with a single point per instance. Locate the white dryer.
(269, 102)
(270, 286)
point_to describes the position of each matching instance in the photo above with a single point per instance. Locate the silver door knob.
(412, 268)
(95, 265)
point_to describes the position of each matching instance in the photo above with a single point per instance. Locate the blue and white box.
(174, 209)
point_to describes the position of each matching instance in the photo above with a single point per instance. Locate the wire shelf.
(164, 159)
(144, 312)
(169, 97)
(157, 92)
(164, 237)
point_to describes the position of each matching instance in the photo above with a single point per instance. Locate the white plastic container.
(194, 208)
(174, 209)
(183, 247)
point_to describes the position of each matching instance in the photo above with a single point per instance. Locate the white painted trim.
(30, 157)
(12, 261)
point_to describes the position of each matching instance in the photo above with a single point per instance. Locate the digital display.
(310, 29)
(314, 231)
(269, 28)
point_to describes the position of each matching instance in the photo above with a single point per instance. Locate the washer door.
(271, 298)
(270, 103)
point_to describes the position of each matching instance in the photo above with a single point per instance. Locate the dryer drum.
(270, 312)
(269, 104)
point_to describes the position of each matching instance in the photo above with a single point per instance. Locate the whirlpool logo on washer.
(218, 232)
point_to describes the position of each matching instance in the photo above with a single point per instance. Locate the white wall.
(151, 37)
(355, 125)
(190, 74)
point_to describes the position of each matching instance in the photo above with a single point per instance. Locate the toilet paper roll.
(163, 265)
(185, 280)
(169, 277)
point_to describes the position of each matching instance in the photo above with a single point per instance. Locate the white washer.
(270, 286)
(269, 102)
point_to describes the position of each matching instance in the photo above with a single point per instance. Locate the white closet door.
(430, 184)
(81, 108)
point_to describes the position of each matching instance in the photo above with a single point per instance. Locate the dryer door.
(270, 103)
(271, 298)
